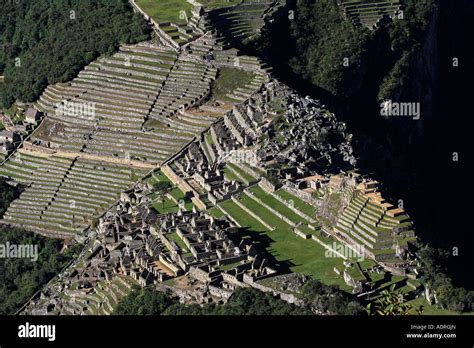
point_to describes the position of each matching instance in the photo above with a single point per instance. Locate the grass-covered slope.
(214, 4)
(166, 10)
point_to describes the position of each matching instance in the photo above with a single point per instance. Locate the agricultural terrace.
(287, 250)
(215, 4)
(229, 80)
(166, 10)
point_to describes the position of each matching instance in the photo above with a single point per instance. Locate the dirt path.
(43, 152)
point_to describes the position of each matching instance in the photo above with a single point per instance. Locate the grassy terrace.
(298, 203)
(240, 22)
(168, 206)
(138, 69)
(276, 204)
(284, 248)
(230, 176)
(255, 169)
(135, 77)
(166, 10)
(156, 177)
(207, 145)
(369, 12)
(216, 212)
(177, 194)
(228, 80)
(179, 242)
(208, 137)
(430, 309)
(229, 266)
(214, 4)
(143, 62)
(243, 174)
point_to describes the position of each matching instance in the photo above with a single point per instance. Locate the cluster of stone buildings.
(274, 137)
(132, 241)
(204, 181)
(199, 168)
(15, 133)
(136, 242)
(154, 248)
(212, 251)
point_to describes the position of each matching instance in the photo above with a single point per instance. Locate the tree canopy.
(48, 41)
(333, 54)
(316, 297)
(7, 195)
(20, 278)
(433, 264)
(147, 301)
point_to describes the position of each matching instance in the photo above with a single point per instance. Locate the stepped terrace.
(369, 12)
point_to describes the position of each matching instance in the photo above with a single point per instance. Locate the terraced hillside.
(211, 46)
(215, 4)
(240, 23)
(122, 116)
(174, 21)
(166, 10)
(62, 193)
(188, 82)
(100, 301)
(369, 12)
(380, 228)
(138, 84)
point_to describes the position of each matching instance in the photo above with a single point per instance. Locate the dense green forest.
(322, 41)
(435, 277)
(20, 278)
(333, 54)
(245, 301)
(146, 301)
(7, 195)
(48, 41)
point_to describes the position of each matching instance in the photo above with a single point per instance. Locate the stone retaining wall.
(285, 297)
(275, 212)
(165, 37)
(295, 210)
(267, 185)
(305, 196)
(251, 213)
